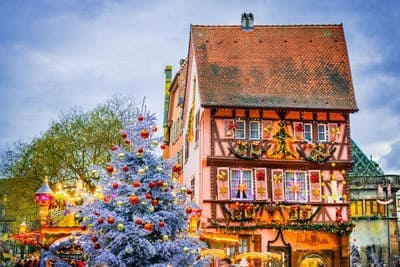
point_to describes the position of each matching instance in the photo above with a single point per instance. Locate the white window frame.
(237, 130)
(325, 132)
(251, 125)
(234, 184)
(305, 125)
(296, 174)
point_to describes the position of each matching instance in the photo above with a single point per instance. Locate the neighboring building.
(260, 117)
(373, 210)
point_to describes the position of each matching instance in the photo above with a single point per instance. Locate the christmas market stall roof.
(294, 66)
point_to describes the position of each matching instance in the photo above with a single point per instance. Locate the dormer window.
(247, 21)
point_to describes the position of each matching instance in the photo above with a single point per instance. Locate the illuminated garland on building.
(339, 229)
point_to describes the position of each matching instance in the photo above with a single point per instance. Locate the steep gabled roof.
(363, 166)
(298, 66)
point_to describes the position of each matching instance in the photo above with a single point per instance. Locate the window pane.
(254, 130)
(240, 130)
(307, 132)
(235, 181)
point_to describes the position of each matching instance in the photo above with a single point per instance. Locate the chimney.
(247, 21)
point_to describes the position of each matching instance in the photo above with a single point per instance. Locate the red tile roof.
(297, 66)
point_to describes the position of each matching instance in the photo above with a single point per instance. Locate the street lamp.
(44, 197)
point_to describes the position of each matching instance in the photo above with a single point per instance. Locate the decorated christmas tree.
(138, 216)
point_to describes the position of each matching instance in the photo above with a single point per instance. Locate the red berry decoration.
(140, 118)
(97, 246)
(154, 129)
(124, 135)
(161, 224)
(144, 133)
(125, 168)
(96, 213)
(100, 220)
(94, 238)
(134, 199)
(148, 226)
(152, 184)
(148, 196)
(160, 182)
(138, 221)
(113, 148)
(110, 220)
(110, 168)
(136, 183)
(115, 185)
(189, 210)
(154, 202)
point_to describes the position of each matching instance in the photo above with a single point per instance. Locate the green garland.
(339, 229)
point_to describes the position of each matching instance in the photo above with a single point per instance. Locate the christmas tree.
(138, 216)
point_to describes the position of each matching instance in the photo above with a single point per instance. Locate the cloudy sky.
(60, 54)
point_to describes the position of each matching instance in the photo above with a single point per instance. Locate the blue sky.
(60, 54)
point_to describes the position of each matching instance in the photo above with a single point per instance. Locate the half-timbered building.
(263, 120)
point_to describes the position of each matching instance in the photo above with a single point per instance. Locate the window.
(356, 208)
(243, 245)
(295, 186)
(372, 208)
(241, 184)
(323, 133)
(308, 132)
(254, 130)
(240, 132)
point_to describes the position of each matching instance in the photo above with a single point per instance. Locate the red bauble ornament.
(138, 221)
(97, 246)
(189, 210)
(96, 213)
(140, 118)
(125, 168)
(189, 191)
(115, 185)
(144, 133)
(161, 224)
(154, 128)
(148, 196)
(154, 202)
(100, 220)
(127, 141)
(110, 220)
(94, 238)
(83, 227)
(106, 199)
(124, 135)
(163, 146)
(136, 183)
(140, 150)
(152, 184)
(134, 199)
(202, 238)
(109, 168)
(148, 226)
(160, 182)
(113, 148)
